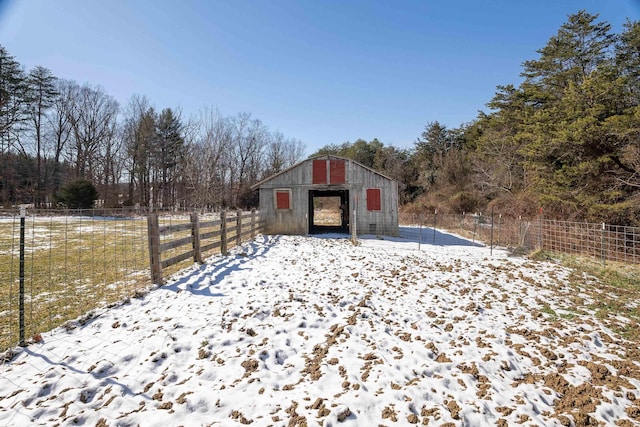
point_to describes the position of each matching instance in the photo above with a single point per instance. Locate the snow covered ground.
(313, 331)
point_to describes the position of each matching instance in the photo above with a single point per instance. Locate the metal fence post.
(435, 223)
(521, 238)
(491, 234)
(603, 255)
(475, 227)
(420, 238)
(540, 231)
(23, 214)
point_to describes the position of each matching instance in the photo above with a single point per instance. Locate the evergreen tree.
(497, 158)
(169, 153)
(430, 149)
(565, 139)
(12, 102)
(569, 91)
(627, 61)
(12, 98)
(79, 194)
(580, 46)
(41, 93)
(361, 151)
(146, 136)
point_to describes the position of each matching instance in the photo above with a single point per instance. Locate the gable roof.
(319, 157)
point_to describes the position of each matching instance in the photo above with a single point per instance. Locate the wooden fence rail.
(204, 236)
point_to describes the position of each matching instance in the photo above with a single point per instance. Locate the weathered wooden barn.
(290, 200)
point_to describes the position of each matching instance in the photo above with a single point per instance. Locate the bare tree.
(93, 116)
(110, 164)
(281, 153)
(207, 169)
(250, 136)
(294, 152)
(59, 132)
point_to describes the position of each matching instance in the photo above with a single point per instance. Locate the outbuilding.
(329, 194)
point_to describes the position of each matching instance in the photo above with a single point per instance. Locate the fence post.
(421, 220)
(253, 223)
(153, 232)
(354, 221)
(239, 227)
(195, 238)
(435, 223)
(223, 232)
(491, 238)
(475, 227)
(521, 237)
(23, 214)
(540, 234)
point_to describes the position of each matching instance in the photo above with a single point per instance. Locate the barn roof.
(319, 157)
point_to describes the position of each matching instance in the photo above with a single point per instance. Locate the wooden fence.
(171, 244)
(57, 266)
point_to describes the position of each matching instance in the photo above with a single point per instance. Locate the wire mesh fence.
(67, 263)
(57, 265)
(601, 242)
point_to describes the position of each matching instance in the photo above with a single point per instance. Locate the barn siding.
(358, 179)
(384, 221)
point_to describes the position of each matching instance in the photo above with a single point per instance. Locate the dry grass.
(71, 265)
(327, 217)
(76, 264)
(616, 294)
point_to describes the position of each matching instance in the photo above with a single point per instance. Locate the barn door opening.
(328, 211)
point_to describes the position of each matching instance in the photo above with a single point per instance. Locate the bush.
(79, 194)
(463, 201)
(624, 213)
(519, 204)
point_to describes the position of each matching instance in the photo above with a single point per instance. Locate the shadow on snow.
(205, 278)
(426, 236)
(430, 236)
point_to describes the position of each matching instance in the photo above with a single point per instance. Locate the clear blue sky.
(321, 71)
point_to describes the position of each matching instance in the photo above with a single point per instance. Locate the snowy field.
(313, 331)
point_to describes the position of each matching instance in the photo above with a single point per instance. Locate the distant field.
(327, 217)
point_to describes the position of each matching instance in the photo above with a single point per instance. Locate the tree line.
(55, 133)
(565, 140)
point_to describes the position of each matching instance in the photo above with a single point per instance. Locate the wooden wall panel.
(319, 172)
(337, 174)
